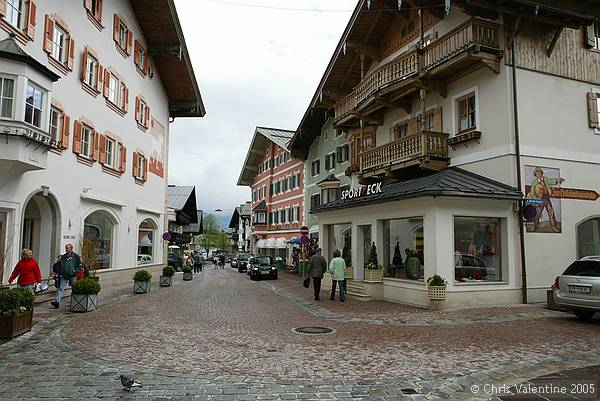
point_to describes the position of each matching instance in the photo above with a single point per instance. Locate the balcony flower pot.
(373, 275)
(84, 295)
(349, 273)
(141, 281)
(166, 280)
(16, 312)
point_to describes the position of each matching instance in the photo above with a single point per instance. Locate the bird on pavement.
(128, 382)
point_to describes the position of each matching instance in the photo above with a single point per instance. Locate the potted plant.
(347, 256)
(141, 281)
(16, 312)
(167, 276)
(187, 273)
(436, 288)
(84, 295)
(373, 271)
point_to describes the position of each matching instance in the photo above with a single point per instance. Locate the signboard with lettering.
(577, 194)
(363, 190)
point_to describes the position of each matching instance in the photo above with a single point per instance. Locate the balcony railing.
(471, 34)
(418, 147)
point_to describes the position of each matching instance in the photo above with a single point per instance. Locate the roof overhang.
(166, 44)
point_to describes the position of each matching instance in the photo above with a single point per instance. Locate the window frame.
(63, 51)
(113, 162)
(456, 110)
(20, 10)
(315, 167)
(43, 94)
(89, 144)
(91, 61)
(57, 136)
(3, 79)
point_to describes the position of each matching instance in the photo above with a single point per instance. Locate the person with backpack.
(70, 265)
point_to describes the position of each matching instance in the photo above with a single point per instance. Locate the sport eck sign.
(363, 190)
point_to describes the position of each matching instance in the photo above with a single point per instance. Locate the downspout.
(519, 179)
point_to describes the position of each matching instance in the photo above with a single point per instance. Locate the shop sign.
(532, 201)
(577, 194)
(363, 190)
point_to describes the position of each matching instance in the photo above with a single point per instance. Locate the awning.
(281, 243)
(261, 243)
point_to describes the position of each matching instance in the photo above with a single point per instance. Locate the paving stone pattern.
(224, 337)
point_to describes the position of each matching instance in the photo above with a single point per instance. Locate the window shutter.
(147, 122)
(137, 109)
(129, 42)
(145, 62)
(100, 78)
(123, 158)
(98, 10)
(77, 128)
(116, 29)
(590, 35)
(71, 53)
(437, 119)
(64, 138)
(126, 99)
(87, 4)
(96, 143)
(30, 27)
(106, 82)
(84, 58)
(2, 8)
(103, 149)
(145, 169)
(135, 164)
(48, 34)
(136, 53)
(592, 106)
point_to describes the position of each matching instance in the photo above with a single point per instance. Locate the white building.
(242, 228)
(88, 91)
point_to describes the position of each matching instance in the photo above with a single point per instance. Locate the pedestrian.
(413, 266)
(70, 265)
(337, 268)
(198, 262)
(316, 269)
(27, 270)
(56, 271)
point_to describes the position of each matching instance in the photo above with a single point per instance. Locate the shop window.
(404, 248)
(341, 239)
(477, 249)
(466, 112)
(145, 242)
(588, 238)
(7, 86)
(33, 106)
(98, 241)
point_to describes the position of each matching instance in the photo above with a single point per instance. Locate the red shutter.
(71, 53)
(98, 10)
(103, 149)
(106, 82)
(137, 109)
(116, 29)
(84, 64)
(145, 62)
(100, 78)
(87, 4)
(136, 53)
(2, 8)
(126, 99)
(145, 169)
(129, 41)
(135, 164)
(147, 122)
(77, 137)
(96, 143)
(123, 158)
(48, 34)
(30, 27)
(64, 138)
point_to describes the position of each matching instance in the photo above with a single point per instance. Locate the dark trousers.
(342, 285)
(317, 286)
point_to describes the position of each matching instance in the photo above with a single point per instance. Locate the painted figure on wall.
(548, 218)
(157, 132)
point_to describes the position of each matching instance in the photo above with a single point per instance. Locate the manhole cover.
(313, 330)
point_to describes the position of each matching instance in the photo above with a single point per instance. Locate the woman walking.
(27, 270)
(337, 268)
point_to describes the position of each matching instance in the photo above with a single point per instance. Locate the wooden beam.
(349, 71)
(433, 85)
(372, 52)
(403, 103)
(513, 32)
(554, 41)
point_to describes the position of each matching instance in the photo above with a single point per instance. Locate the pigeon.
(128, 382)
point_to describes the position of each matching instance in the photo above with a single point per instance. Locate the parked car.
(175, 261)
(242, 263)
(469, 267)
(578, 288)
(144, 259)
(262, 266)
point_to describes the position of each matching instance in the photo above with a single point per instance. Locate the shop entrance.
(40, 230)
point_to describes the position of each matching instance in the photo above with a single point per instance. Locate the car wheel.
(584, 314)
(239, 270)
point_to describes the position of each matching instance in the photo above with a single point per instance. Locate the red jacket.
(28, 272)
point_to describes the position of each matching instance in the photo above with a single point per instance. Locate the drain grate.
(313, 330)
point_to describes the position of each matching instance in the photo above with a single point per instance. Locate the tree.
(210, 233)
(223, 243)
(372, 262)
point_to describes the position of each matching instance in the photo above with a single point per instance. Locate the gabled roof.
(9, 49)
(260, 141)
(261, 207)
(331, 178)
(235, 218)
(196, 228)
(182, 199)
(453, 182)
(166, 44)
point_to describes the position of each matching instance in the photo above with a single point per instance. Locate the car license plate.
(265, 272)
(579, 289)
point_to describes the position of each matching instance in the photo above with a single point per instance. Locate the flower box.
(165, 281)
(16, 324)
(188, 276)
(141, 287)
(84, 302)
(374, 275)
(349, 273)
(436, 292)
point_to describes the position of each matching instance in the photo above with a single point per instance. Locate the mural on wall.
(542, 184)
(157, 159)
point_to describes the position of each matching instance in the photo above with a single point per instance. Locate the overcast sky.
(255, 66)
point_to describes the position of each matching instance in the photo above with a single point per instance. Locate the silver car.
(578, 288)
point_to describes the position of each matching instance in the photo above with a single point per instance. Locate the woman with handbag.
(27, 270)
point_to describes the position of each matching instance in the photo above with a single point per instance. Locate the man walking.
(316, 269)
(70, 264)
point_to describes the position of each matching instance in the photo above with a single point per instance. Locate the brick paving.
(224, 337)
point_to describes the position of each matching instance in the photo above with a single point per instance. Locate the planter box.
(95, 278)
(349, 272)
(15, 325)
(188, 276)
(436, 293)
(84, 302)
(141, 287)
(165, 281)
(374, 275)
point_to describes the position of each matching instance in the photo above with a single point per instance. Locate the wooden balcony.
(423, 150)
(469, 46)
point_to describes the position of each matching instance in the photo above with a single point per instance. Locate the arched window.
(97, 247)
(588, 237)
(146, 242)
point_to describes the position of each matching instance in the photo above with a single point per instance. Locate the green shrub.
(168, 271)
(142, 275)
(372, 263)
(186, 269)
(15, 300)
(86, 286)
(436, 281)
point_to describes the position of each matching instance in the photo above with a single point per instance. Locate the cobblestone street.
(225, 337)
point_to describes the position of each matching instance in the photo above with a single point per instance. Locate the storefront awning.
(452, 182)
